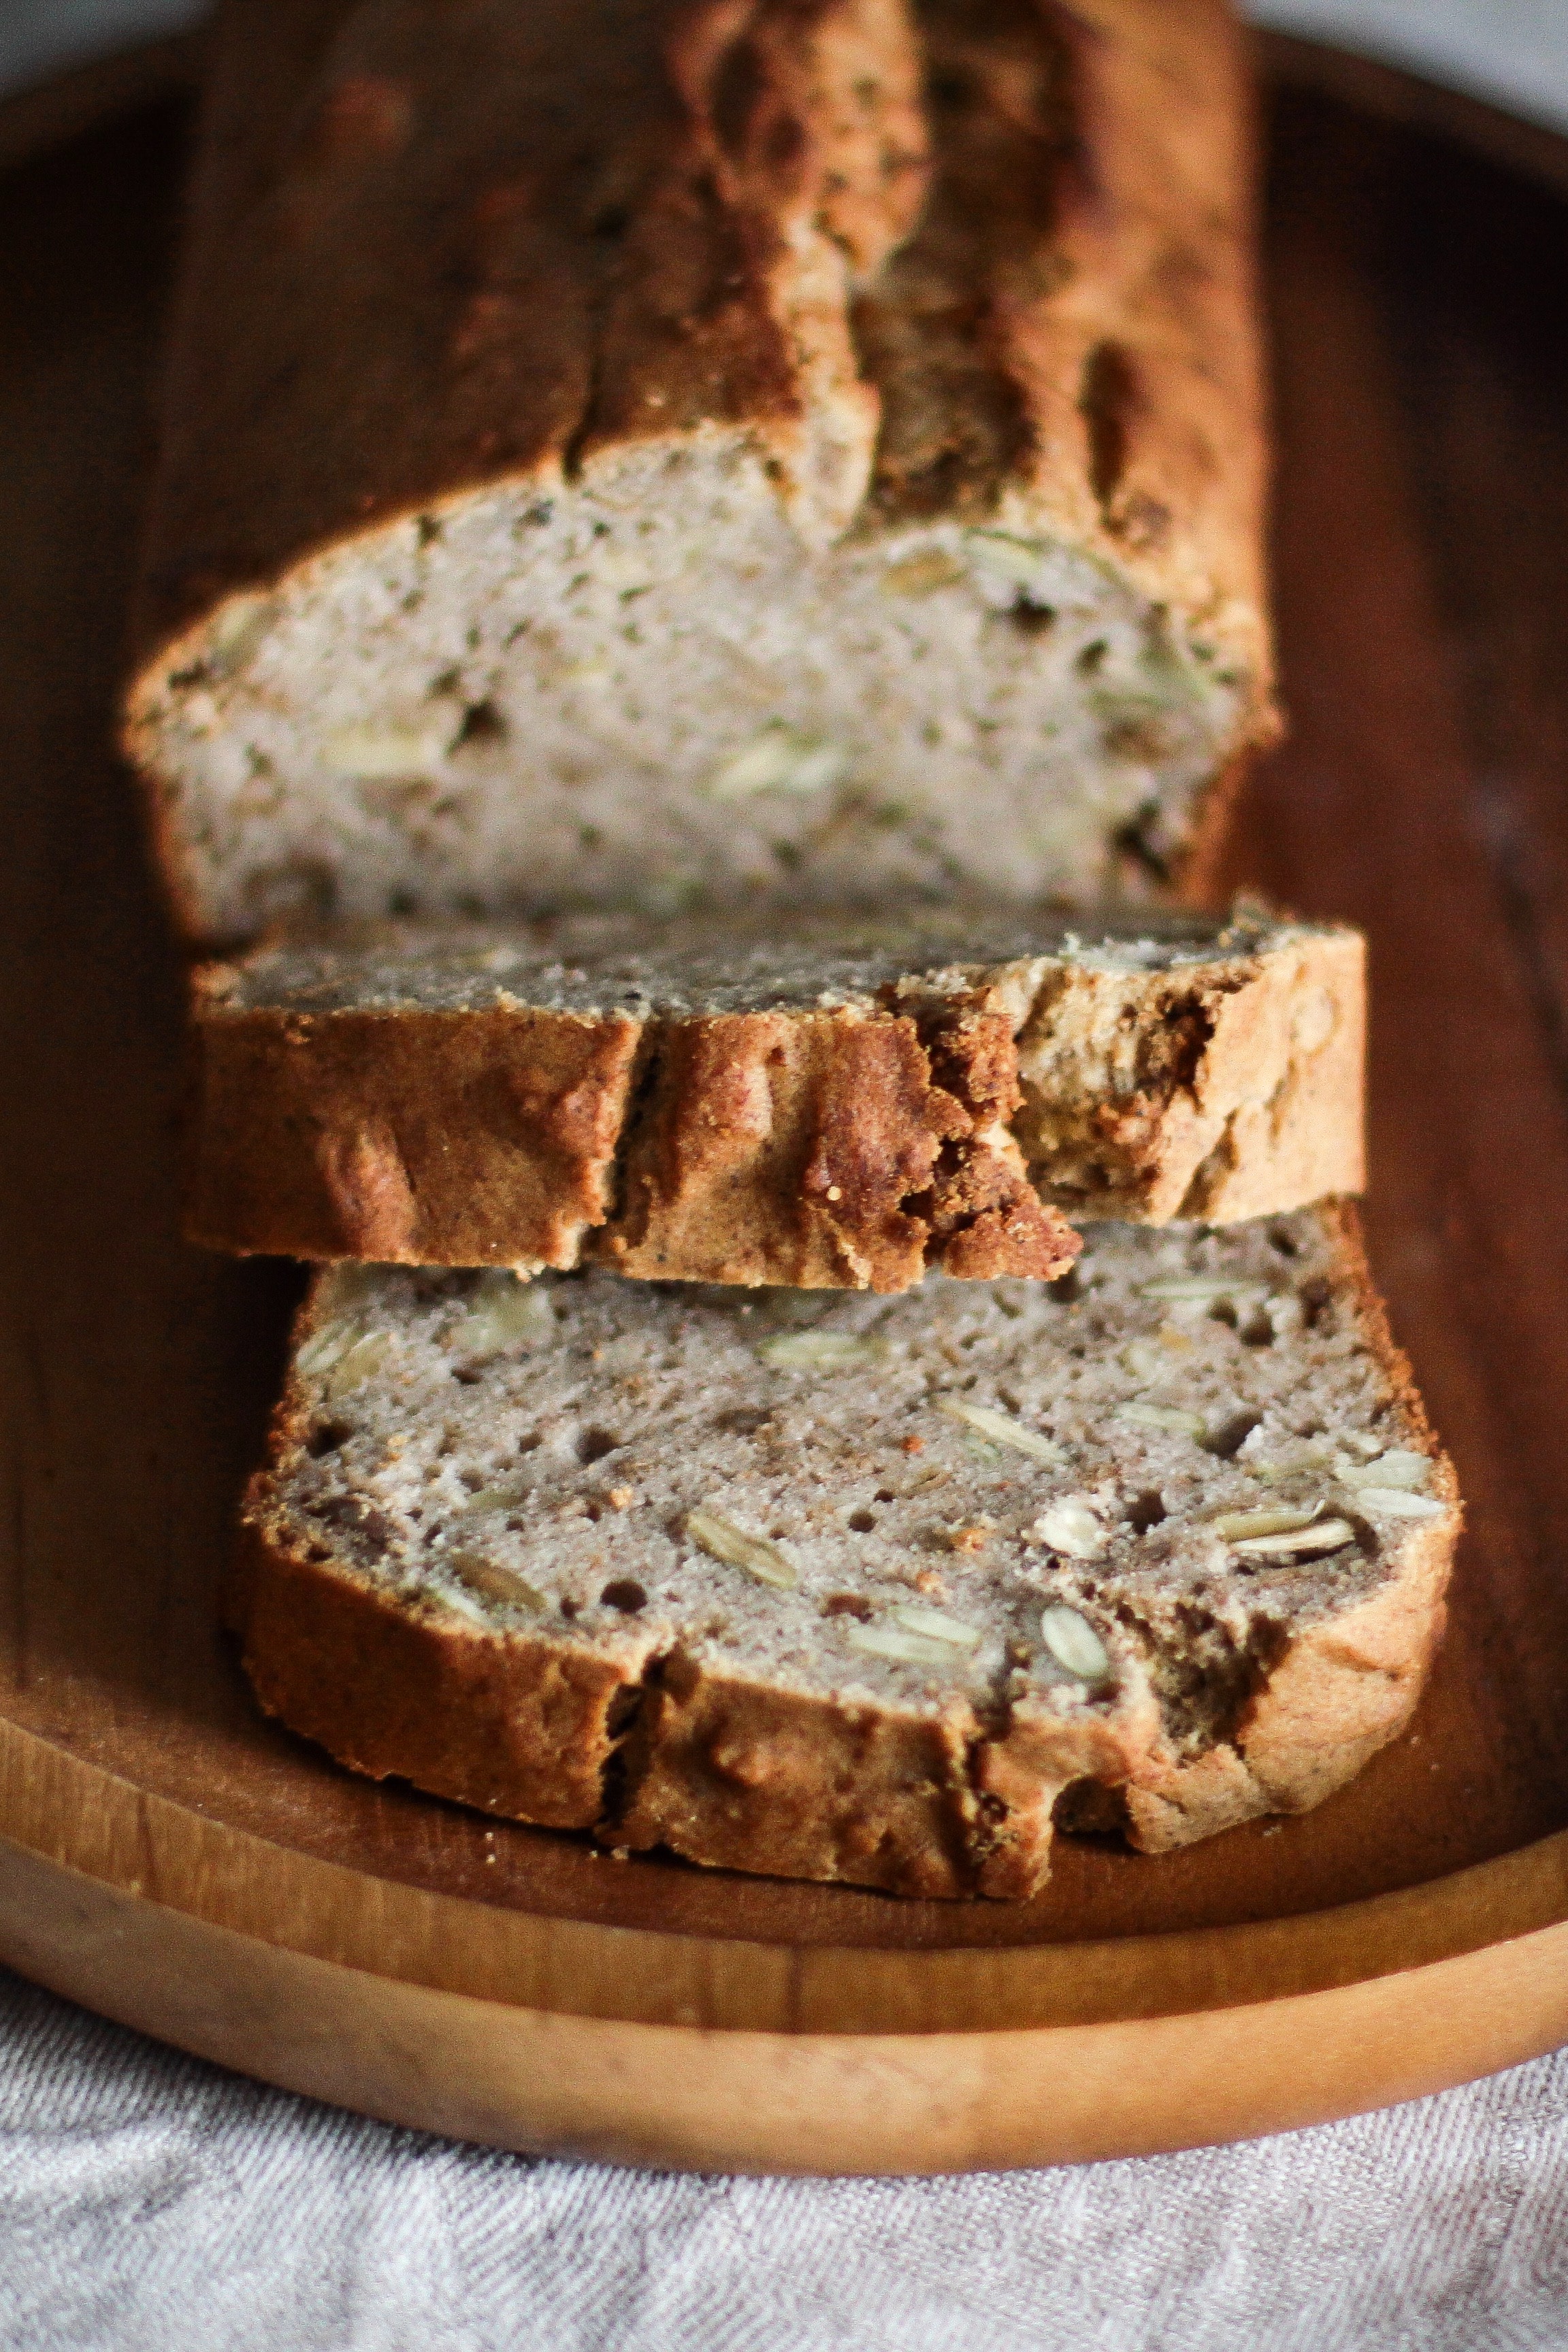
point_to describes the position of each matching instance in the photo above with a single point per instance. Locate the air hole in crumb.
(743, 1420)
(624, 1594)
(595, 1512)
(530, 1442)
(1131, 840)
(1284, 1243)
(846, 1604)
(465, 1377)
(482, 723)
(568, 1606)
(1091, 658)
(1224, 1311)
(1067, 1287)
(862, 1522)
(1145, 1511)
(427, 529)
(327, 1436)
(1314, 1297)
(1031, 620)
(885, 1495)
(1232, 1434)
(1257, 1331)
(595, 1444)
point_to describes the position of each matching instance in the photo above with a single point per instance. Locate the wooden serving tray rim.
(80, 1818)
(467, 2012)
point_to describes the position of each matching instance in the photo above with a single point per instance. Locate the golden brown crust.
(815, 1148)
(732, 1774)
(469, 1139)
(515, 1727)
(854, 1147)
(1020, 1776)
(1235, 1092)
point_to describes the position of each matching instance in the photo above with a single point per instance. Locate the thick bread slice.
(833, 1103)
(689, 451)
(847, 1588)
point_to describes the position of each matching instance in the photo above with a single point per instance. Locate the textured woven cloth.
(149, 2203)
(147, 2200)
(1513, 52)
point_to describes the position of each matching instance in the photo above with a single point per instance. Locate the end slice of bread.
(851, 1588)
(831, 1102)
(701, 454)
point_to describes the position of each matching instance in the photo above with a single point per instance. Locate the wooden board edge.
(772, 2103)
(53, 112)
(60, 1810)
(1392, 94)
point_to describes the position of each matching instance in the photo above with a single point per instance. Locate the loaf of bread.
(847, 1588)
(825, 1103)
(676, 452)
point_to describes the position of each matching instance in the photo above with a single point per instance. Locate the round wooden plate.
(171, 1859)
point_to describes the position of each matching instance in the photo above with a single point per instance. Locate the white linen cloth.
(150, 2203)
(1511, 52)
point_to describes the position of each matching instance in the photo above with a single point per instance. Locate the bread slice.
(829, 1103)
(691, 451)
(845, 1588)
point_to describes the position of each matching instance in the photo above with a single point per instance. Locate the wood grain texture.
(178, 1863)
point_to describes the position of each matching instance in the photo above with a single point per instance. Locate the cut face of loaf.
(852, 1587)
(692, 453)
(830, 1103)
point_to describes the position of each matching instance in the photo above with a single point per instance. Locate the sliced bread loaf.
(833, 1103)
(851, 1588)
(681, 451)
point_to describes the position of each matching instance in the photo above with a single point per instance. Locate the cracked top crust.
(838, 1101)
(855, 1588)
(547, 384)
